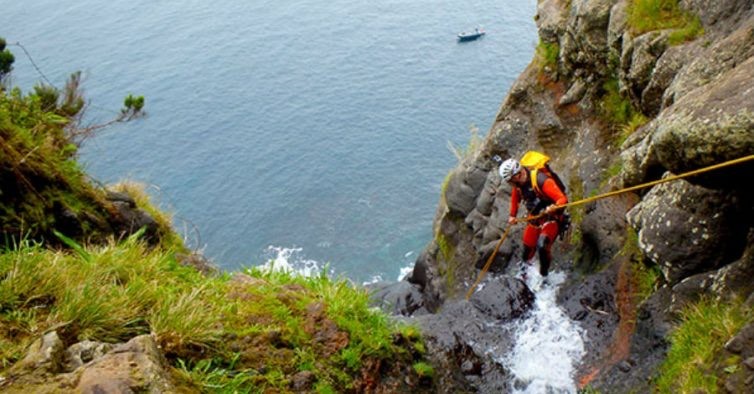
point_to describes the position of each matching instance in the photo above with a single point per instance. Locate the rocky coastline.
(697, 105)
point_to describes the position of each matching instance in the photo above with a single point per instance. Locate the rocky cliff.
(685, 99)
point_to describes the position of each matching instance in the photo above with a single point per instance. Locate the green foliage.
(651, 15)
(446, 249)
(424, 370)
(547, 55)
(694, 362)
(133, 106)
(6, 60)
(615, 109)
(39, 172)
(689, 31)
(636, 120)
(444, 187)
(213, 375)
(42, 183)
(220, 334)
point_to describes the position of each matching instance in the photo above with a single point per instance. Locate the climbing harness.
(599, 197)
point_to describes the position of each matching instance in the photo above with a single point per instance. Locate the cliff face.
(693, 101)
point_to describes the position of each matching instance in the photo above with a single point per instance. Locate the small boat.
(470, 36)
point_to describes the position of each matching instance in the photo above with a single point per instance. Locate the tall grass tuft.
(693, 361)
(462, 153)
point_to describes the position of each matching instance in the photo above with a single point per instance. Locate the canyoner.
(669, 178)
(543, 194)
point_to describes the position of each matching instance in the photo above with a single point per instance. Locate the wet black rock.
(503, 298)
(397, 298)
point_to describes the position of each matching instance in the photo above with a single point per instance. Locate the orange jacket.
(550, 191)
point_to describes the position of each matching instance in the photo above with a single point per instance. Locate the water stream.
(548, 345)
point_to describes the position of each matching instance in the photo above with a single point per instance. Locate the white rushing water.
(291, 260)
(548, 345)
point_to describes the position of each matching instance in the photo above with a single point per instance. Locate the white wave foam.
(290, 260)
(548, 344)
(374, 279)
(406, 271)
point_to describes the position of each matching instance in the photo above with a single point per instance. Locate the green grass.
(616, 109)
(694, 362)
(423, 369)
(547, 53)
(622, 117)
(218, 334)
(650, 15)
(635, 120)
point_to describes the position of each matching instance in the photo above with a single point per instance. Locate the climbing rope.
(598, 197)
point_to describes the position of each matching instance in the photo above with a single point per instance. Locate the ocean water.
(312, 129)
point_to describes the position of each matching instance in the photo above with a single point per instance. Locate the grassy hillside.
(249, 331)
(63, 269)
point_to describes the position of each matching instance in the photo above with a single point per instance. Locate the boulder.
(397, 298)
(459, 339)
(638, 60)
(135, 366)
(710, 126)
(603, 231)
(648, 348)
(731, 280)
(79, 354)
(591, 302)
(459, 195)
(663, 73)
(550, 20)
(720, 14)
(45, 355)
(616, 27)
(502, 297)
(584, 43)
(689, 229)
(716, 59)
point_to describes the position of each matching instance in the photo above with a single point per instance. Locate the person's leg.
(544, 244)
(530, 242)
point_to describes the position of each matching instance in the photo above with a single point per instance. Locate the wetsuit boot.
(543, 247)
(525, 258)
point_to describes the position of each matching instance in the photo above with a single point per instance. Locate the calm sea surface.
(310, 128)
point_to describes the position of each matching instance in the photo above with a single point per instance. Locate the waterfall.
(548, 345)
